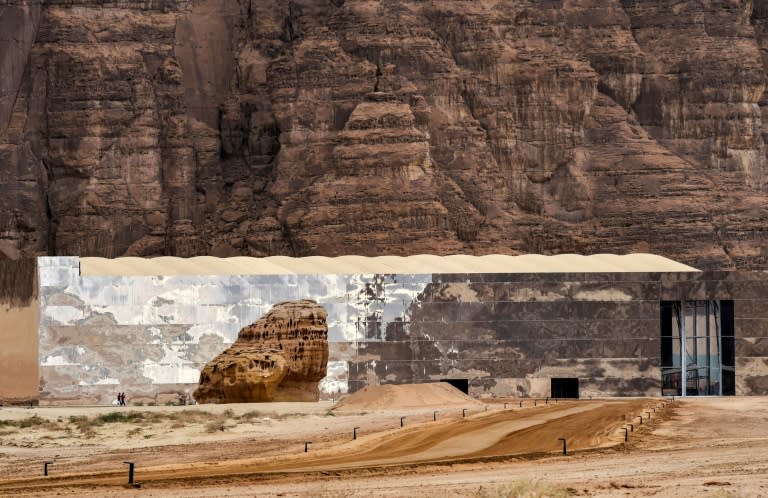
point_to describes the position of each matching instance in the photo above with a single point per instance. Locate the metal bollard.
(565, 450)
(534, 402)
(626, 434)
(306, 445)
(354, 433)
(130, 472)
(45, 467)
(521, 404)
(401, 421)
(434, 416)
(546, 401)
(631, 427)
(649, 415)
(641, 419)
(463, 412)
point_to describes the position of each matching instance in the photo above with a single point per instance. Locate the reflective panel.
(691, 337)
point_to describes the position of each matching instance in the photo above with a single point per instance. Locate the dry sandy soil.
(695, 447)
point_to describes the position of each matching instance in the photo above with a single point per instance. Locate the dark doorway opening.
(565, 388)
(460, 384)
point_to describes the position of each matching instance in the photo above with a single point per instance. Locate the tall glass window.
(697, 348)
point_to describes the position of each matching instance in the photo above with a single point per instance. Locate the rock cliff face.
(281, 357)
(259, 127)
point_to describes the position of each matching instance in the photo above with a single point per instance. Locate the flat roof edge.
(416, 264)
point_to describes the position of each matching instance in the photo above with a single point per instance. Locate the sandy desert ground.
(449, 445)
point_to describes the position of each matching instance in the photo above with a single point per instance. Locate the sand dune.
(392, 397)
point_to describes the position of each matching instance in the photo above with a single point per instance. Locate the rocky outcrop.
(261, 127)
(281, 357)
(383, 176)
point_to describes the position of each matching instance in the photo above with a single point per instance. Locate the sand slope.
(403, 396)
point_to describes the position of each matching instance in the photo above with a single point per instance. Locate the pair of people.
(120, 399)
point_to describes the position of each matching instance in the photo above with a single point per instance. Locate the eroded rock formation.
(260, 127)
(280, 357)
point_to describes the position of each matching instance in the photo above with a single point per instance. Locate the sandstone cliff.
(281, 357)
(259, 127)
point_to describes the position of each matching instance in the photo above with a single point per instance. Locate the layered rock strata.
(280, 357)
(261, 127)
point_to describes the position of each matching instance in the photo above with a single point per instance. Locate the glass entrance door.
(702, 348)
(691, 348)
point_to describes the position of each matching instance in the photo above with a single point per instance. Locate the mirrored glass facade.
(500, 334)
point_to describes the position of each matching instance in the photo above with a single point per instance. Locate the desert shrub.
(185, 417)
(118, 417)
(32, 421)
(51, 425)
(154, 418)
(283, 416)
(250, 415)
(84, 425)
(215, 425)
(523, 489)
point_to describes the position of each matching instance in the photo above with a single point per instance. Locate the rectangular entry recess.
(460, 384)
(565, 387)
(697, 355)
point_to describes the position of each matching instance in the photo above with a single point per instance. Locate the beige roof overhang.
(418, 264)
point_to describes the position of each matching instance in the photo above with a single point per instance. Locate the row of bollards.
(640, 417)
(402, 424)
(131, 465)
(131, 472)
